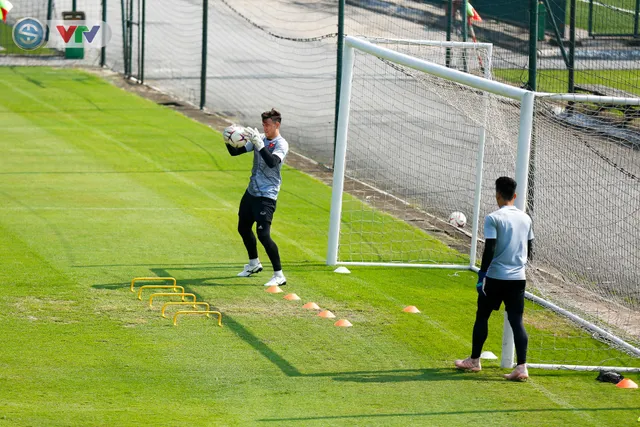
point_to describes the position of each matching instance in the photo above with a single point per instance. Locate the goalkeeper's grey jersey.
(512, 230)
(265, 181)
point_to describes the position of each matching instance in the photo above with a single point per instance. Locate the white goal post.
(470, 80)
(487, 92)
(342, 128)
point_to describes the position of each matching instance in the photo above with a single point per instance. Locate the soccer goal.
(417, 140)
(415, 152)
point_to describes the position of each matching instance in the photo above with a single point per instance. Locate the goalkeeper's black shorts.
(496, 291)
(256, 209)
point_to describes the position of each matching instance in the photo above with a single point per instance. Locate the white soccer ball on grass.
(457, 219)
(235, 136)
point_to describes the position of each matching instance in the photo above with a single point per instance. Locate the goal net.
(584, 197)
(417, 141)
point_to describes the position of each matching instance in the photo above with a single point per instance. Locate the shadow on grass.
(398, 375)
(405, 375)
(229, 322)
(441, 413)
(243, 333)
(289, 266)
(388, 376)
(185, 283)
(203, 281)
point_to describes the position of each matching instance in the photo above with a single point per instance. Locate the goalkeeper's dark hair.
(272, 114)
(506, 187)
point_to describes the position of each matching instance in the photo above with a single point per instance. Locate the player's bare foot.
(469, 364)
(520, 373)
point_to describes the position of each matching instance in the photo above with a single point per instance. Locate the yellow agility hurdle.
(168, 294)
(175, 317)
(151, 279)
(194, 304)
(174, 287)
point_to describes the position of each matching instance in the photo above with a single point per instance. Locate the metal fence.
(240, 57)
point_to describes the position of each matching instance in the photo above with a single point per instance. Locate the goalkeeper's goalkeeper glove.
(255, 138)
(480, 283)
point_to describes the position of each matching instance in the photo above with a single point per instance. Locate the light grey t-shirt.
(265, 181)
(512, 230)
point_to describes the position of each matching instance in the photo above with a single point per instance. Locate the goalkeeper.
(508, 240)
(259, 201)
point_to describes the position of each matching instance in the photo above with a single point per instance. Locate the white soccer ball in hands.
(235, 136)
(457, 219)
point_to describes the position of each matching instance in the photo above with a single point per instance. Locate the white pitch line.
(560, 401)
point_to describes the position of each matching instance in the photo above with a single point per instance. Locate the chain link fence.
(284, 53)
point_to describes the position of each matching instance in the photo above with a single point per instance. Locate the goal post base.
(559, 367)
(405, 265)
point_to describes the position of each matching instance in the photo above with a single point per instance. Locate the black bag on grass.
(609, 377)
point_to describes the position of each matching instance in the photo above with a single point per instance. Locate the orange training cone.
(627, 383)
(311, 306)
(411, 309)
(292, 297)
(327, 314)
(273, 289)
(344, 323)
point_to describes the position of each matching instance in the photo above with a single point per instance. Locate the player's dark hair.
(272, 114)
(506, 187)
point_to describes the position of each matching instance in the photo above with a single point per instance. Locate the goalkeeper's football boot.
(520, 373)
(469, 364)
(277, 281)
(250, 269)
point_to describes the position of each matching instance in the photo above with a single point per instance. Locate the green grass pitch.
(99, 186)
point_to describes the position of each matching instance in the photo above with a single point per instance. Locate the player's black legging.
(264, 235)
(512, 293)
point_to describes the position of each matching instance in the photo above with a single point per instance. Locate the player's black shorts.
(256, 209)
(496, 291)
